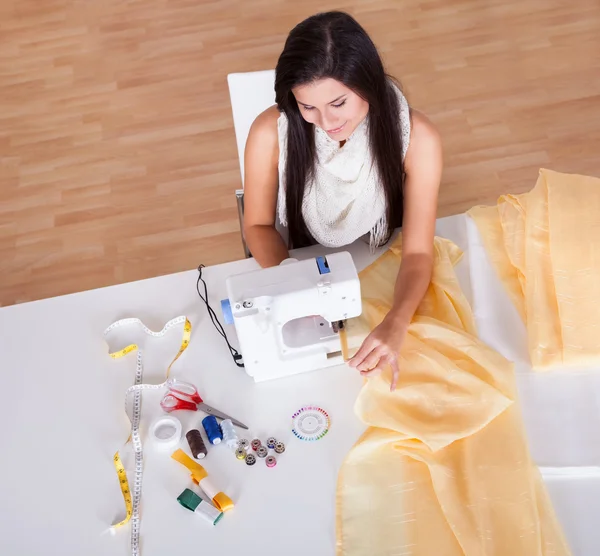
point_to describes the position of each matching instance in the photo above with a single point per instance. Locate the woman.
(341, 156)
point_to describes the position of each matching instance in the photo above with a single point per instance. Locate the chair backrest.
(251, 93)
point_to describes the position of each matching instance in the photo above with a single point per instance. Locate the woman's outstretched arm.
(423, 165)
(261, 184)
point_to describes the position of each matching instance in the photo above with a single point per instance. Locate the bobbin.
(280, 447)
(250, 459)
(240, 453)
(271, 441)
(271, 461)
(262, 452)
(256, 444)
(243, 444)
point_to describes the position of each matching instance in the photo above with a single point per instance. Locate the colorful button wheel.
(310, 423)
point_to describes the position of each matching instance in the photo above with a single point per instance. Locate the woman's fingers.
(392, 361)
(371, 372)
(370, 361)
(366, 348)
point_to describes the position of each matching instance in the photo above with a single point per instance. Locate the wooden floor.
(117, 152)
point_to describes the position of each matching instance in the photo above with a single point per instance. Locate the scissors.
(183, 395)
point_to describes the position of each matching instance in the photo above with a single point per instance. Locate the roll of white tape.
(208, 488)
(166, 432)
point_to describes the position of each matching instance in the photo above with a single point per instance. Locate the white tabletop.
(561, 409)
(64, 419)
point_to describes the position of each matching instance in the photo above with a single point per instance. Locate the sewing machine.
(287, 317)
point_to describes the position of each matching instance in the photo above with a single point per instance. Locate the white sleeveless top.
(345, 200)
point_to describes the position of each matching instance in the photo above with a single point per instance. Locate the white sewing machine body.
(286, 317)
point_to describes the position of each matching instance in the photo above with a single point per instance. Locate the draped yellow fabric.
(444, 468)
(545, 248)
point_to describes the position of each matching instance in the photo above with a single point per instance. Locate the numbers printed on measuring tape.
(124, 351)
(132, 503)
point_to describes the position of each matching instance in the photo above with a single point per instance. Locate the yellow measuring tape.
(120, 468)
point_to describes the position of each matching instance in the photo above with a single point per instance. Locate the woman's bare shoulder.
(263, 132)
(262, 146)
(422, 128)
(425, 141)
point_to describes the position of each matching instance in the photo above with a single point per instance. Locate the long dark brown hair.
(334, 45)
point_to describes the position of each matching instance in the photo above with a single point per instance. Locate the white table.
(64, 419)
(561, 409)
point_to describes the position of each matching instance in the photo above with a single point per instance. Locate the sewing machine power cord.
(237, 356)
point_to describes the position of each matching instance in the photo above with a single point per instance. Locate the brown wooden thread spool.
(196, 444)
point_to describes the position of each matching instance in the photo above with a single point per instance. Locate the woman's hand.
(381, 347)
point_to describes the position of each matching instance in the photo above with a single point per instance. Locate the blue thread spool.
(213, 430)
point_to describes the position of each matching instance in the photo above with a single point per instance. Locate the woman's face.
(333, 107)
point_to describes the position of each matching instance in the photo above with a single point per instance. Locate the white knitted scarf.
(345, 200)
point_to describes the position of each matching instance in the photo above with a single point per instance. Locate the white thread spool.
(229, 435)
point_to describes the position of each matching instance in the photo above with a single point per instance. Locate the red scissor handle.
(184, 390)
(171, 403)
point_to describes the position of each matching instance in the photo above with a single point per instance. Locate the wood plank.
(117, 151)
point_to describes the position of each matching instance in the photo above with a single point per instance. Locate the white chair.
(251, 93)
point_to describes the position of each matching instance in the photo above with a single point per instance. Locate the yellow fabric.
(222, 502)
(444, 468)
(545, 248)
(197, 471)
